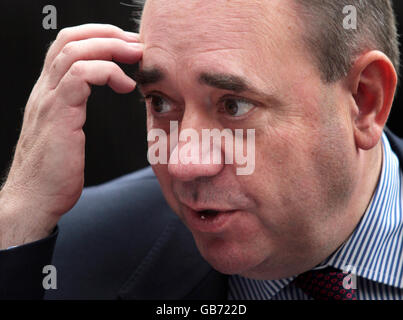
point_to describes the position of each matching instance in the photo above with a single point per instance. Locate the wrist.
(19, 221)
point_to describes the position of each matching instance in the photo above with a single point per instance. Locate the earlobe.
(372, 83)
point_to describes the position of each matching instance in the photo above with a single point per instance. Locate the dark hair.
(334, 47)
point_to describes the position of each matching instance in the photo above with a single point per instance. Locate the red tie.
(325, 284)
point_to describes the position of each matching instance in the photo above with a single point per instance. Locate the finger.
(84, 32)
(92, 49)
(74, 88)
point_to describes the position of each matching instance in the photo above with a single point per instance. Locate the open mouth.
(207, 214)
(209, 220)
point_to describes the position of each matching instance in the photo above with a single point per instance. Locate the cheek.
(300, 175)
(334, 166)
(278, 162)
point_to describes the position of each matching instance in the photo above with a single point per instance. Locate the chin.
(226, 257)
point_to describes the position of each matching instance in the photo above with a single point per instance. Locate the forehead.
(209, 21)
(223, 34)
(186, 25)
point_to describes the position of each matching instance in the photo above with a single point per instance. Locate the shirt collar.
(374, 250)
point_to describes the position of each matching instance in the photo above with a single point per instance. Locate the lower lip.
(211, 224)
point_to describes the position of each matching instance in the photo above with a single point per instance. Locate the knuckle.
(77, 69)
(114, 68)
(54, 64)
(64, 33)
(42, 111)
(43, 108)
(69, 48)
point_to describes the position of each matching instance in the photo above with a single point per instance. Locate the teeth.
(203, 217)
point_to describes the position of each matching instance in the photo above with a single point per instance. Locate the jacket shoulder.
(107, 234)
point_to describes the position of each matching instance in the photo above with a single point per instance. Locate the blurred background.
(115, 128)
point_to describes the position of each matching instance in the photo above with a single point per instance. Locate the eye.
(237, 107)
(158, 103)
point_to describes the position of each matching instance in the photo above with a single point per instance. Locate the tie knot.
(326, 284)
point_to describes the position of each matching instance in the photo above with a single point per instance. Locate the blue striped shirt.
(373, 253)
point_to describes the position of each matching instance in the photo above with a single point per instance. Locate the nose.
(194, 155)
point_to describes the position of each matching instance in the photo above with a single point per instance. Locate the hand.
(47, 174)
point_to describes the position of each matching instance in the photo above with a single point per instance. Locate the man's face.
(284, 217)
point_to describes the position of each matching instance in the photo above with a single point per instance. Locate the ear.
(372, 82)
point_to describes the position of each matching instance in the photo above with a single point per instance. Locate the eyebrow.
(148, 76)
(224, 81)
(237, 84)
(217, 80)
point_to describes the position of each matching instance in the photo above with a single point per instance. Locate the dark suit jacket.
(121, 241)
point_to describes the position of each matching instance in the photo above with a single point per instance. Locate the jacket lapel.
(174, 269)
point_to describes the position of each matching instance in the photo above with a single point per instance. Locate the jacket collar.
(396, 144)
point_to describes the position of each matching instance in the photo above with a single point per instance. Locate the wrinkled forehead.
(192, 24)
